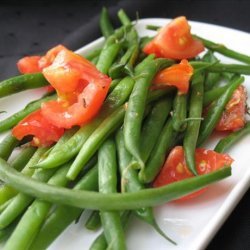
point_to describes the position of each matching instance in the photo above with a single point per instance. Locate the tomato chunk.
(177, 75)
(35, 64)
(233, 117)
(175, 41)
(175, 168)
(81, 89)
(29, 64)
(35, 124)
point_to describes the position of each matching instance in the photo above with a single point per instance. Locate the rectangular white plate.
(193, 223)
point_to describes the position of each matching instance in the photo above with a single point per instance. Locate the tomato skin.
(175, 41)
(233, 117)
(29, 64)
(35, 124)
(81, 89)
(177, 75)
(175, 168)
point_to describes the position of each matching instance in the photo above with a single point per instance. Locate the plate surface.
(192, 224)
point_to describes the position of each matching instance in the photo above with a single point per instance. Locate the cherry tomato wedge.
(233, 117)
(175, 41)
(35, 64)
(175, 168)
(29, 64)
(35, 124)
(81, 89)
(177, 75)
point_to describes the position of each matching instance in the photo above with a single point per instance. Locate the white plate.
(192, 224)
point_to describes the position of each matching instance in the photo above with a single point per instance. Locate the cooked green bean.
(93, 54)
(107, 57)
(221, 67)
(159, 152)
(94, 221)
(130, 183)
(111, 220)
(180, 112)
(30, 222)
(113, 84)
(211, 79)
(20, 83)
(7, 145)
(222, 49)
(63, 216)
(7, 192)
(215, 111)
(17, 117)
(105, 23)
(97, 201)
(224, 144)
(153, 125)
(125, 20)
(194, 121)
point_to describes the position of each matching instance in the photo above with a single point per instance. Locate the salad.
(143, 106)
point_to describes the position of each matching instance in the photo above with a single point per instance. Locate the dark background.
(31, 27)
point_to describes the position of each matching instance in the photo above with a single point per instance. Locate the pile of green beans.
(108, 165)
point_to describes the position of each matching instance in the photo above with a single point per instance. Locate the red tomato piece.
(177, 75)
(175, 41)
(35, 64)
(29, 64)
(35, 124)
(175, 168)
(81, 89)
(233, 117)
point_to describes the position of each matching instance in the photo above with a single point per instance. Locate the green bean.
(95, 60)
(105, 24)
(4, 205)
(111, 221)
(213, 94)
(180, 112)
(159, 152)
(20, 83)
(7, 145)
(153, 27)
(63, 216)
(211, 79)
(131, 183)
(220, 67)
(222, 49)
(125, 20)
(153, 125)
(93, 54)
(97, 201)
(224, 144)
(30, 222)
(22, 158)
(68, 150)
(12, 120)
(135, 110)
(7, 192)
(94, 221)
(89, 148)
(100, 242)
(21, 201)
(113, 84)
(216, 110)
(107, 57)
(5, 233)
(119, 69)
(194, 121)
(145, 40)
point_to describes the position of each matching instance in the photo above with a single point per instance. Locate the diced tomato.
(175, 41)
(35, 64)
(177, 75)
(175, 168)
(81, 89)
(35, 124)
(29, 64)
(233, 117)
